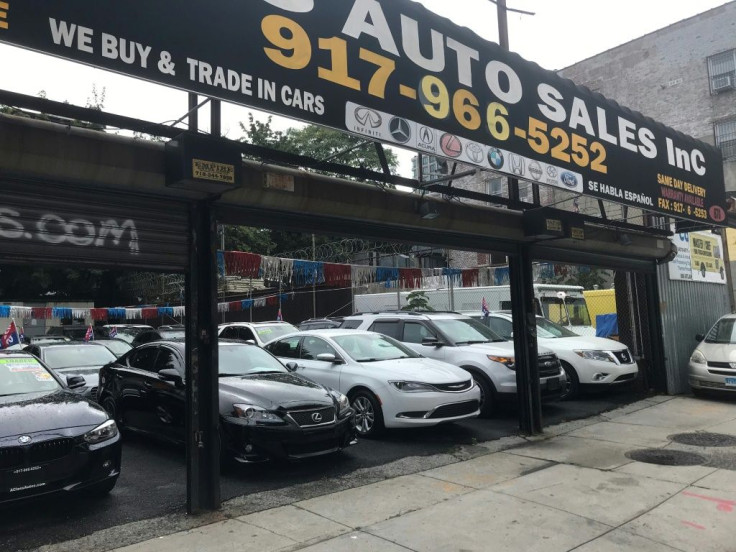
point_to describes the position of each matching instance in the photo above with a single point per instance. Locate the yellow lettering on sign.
(209, 170)
(4, 7)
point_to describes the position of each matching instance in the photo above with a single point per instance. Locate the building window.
(722, 72)
(726, 137)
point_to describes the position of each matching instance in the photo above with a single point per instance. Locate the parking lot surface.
(153, 479)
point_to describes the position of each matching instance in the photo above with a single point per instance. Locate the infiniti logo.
(316, 417)
(400, 129)
(368, 117)
(24, 439)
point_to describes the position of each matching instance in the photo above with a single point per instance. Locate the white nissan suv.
(464, 342)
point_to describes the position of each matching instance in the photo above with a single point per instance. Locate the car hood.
(273, 391)
(718, 352)
(503, 348)
(424, 370)
(46, 411)
(582, 343)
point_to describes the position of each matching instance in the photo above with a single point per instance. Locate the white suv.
(464, 342)
(257, 332)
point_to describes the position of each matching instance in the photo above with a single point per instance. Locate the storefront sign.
(393, 71)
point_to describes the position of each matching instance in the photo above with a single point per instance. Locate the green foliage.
(417, 301)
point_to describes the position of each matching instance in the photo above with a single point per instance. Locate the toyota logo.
(24, 439)
(400, 129)
(316, 417)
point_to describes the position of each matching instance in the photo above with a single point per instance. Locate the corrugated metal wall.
(688, 308)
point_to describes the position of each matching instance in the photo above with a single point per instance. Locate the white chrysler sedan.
(713, 362)
(388, 384)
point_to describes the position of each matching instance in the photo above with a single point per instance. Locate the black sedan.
(51, 439)
(265, 411)
(74, 358)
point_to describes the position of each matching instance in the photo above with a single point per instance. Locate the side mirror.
(327, 357)
(699, 337)
(171, 375)
(430, 341)
(75, 382)
(291, 366)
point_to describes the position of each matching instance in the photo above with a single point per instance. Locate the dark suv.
(320, 323)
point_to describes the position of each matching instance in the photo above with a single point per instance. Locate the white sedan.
(587, 361)
(712, 365)
(388, 384)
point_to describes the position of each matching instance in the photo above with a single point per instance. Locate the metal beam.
(202, 389)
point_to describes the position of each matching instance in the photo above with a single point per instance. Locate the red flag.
(90, 335)
(10, 337)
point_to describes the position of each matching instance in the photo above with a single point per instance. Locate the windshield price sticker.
(393, 71)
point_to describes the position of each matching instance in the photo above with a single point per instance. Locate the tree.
(417, 301)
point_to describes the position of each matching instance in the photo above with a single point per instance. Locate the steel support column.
(658, 375)
(202, 416)
(525, 341)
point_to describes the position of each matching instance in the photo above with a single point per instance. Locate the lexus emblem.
(368, 117)
(316, 417)
(24, 439)
(400, 129)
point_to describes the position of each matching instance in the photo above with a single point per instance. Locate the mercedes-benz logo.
(316, 417)
(24, 439)
(368, 117)
(400, 129)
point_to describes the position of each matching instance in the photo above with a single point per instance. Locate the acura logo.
(24, 439)
(368, 117)
(316, 417)
(400, 129)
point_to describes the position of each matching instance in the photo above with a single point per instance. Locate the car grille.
(456, 409)
(624, 356)
(47, 451)
(453, 387)
(38, 453)
(313, 416)
(625, 377)
(315, 447)
(549, 365)
(720, 365)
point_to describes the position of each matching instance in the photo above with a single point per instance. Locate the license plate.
(554, 384)
(730, 382)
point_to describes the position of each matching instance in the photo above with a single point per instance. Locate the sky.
(561, 33)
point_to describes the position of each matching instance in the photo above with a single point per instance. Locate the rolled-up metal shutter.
(51, 223)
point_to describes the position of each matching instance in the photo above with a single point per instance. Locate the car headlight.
(698, 358)
(343, 403)
(509, 362)
(102, 432)
(413, 386)
(603, 356)
(256, 415)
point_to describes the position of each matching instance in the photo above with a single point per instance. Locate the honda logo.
(316, 417)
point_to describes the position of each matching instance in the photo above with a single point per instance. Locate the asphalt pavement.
(152, 484)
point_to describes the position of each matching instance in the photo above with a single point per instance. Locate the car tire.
(368, 413)
(572, 387)
(488, 401)
(101, 489)
(111, 407)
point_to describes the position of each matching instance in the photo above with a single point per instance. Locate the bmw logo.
(495, 158)
(400, 129)
(569, 179)
(24, 439)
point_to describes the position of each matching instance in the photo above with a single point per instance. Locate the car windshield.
(172, 334)
(246, 360)
(19, 375)
(547, 328)
(117, 346)
(372, 347)
(724, 331)
(76, 356)
(272, 331)
(465, 331)
(570, 311)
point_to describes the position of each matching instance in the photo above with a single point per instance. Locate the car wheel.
(368, 414)
(111, 407)
(571, 389)
(101, 489)
(487, 395)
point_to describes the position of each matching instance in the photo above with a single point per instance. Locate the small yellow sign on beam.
(210, 170)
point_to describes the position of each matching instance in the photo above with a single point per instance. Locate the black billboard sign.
(393, 71)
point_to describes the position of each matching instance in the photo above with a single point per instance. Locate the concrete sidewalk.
(575, 488)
